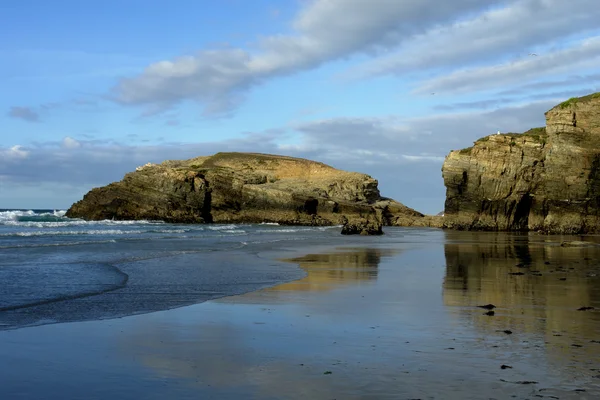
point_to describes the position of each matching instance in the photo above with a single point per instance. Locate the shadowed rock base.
(362, 226)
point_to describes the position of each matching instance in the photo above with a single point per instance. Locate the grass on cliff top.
(574, 100)
(258, 158)
(538, 134)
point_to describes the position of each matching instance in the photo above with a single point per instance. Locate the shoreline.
(276, 259)
(368, 320)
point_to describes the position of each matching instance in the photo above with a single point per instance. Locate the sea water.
(57, 269)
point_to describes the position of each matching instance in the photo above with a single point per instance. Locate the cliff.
(243, 187)
(546, 179)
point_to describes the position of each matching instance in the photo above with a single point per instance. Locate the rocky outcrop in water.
(244, 187)
(362, 226)
(546, 179)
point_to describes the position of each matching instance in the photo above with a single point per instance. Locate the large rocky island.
(245, 187)
(546, 179)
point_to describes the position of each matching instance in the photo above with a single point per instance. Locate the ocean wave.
(285, 230)
(57, 219)
(298, 229)
(234, 231)
(16, 215)
(326, 228)
(223, 227)
(92, 232)
(20, 246)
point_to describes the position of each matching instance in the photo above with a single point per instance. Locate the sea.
(56, 269)
(414, 313)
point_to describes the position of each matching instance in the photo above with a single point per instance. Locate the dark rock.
(585, 308)
(488, 306)
(520, 382)
(362, 226)
(504, 366)
(490, 313)
(578, 243)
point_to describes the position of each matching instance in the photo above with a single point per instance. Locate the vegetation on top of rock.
(574, 100)
(538, 134)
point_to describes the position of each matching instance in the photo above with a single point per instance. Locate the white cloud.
(324, 30)
(584, 55)
(512, 31)
(14, 153)
(436, 159)
(70, 143)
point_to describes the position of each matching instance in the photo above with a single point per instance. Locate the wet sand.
(378, 321)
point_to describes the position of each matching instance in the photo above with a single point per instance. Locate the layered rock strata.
(546, 179)
(244, 187)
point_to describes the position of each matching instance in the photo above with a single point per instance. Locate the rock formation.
(362, 226)
(244, 187)
(546, 179)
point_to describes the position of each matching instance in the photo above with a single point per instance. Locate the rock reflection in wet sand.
(349, 266)
(393, 322)
(538, 288)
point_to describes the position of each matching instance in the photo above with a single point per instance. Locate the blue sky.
(90, 90)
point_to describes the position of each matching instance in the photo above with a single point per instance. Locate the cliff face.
(242, 187)
(545, 179)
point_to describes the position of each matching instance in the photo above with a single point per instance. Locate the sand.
(367, 322)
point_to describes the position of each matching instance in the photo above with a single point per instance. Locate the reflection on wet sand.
(538, 287)
(349, 266)
(267, 355)
(225, 359)
(363, 324)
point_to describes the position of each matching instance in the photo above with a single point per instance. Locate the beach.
(372, 318)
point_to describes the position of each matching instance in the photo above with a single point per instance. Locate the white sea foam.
(57, 219)
(285, 230)
(15, 214)
(92, 232)
(222, 227)
(234, 231)
(58, 244)
(326, 228)
(12, 215)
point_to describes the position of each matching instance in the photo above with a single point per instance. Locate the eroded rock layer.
(546, 179)
(244, 187)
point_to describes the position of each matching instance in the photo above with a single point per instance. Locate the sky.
(90, 90)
